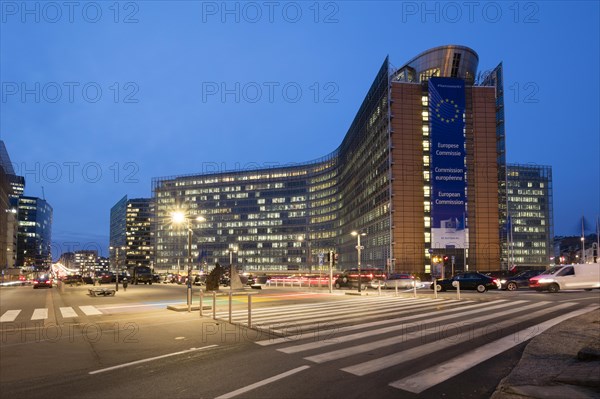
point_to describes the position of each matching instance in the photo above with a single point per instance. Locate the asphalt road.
(336, 345)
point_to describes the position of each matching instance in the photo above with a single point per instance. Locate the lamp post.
(359, 248)
(117, 266)
(180, 218)
(583, 248)
(231, 251)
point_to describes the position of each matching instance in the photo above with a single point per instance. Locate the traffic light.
(335, 258)
(446, 260)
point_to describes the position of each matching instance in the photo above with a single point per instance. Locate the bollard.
(396, 285)
(230, 307)
(435, 287)
(249, 310)
(458, 289)
(379, 289)
(201, 302)
(414, 288)
(214, 305)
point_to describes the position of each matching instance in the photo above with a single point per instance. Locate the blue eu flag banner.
(447, 160)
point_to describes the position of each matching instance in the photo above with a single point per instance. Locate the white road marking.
(40, 314)
(9, 315)
(150, 359)
(328, 306)
(90, 310)
(427, 378)
(324, 357)
(330, 328)
(261, 383)
(402, 357)
(68, 312)
(327, 315)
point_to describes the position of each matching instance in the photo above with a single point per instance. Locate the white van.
(568, 277)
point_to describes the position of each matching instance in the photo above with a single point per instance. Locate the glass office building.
(420, 172)
(34, 236)
(132, 231)
(530, 226)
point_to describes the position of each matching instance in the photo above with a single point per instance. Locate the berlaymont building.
(420, 174)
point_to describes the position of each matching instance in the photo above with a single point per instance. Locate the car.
(87, 280)
(567, 277)
(104, 277)
(401, 280)
(369, 277)
(42, 281)
(499, 274)
(73, 279)
(512, 283)
(468, 281)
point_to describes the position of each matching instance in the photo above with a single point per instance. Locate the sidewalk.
(563, 362)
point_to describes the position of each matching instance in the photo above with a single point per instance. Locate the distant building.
(118, 237)
(103, 263)
(132, 231)
(34, 236)
(139, 231)
(11, 187)
(67, 259)
(5, 214)
(86, 261)
(530, 228)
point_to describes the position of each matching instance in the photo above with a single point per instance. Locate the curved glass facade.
(376, 182)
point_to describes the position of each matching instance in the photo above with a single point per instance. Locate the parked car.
(369, 277)
(500, 274)
(468, 281)
(568, 277)
(104, 277)
(42, 281)
(401, 280)
(72, 279)
(87, 280)
(512, 283)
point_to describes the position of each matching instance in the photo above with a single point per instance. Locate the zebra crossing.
(66, 312)
(393, 333)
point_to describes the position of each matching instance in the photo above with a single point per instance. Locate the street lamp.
(231, 251)
(117, 265)
(180, 218)
(359, 248)
(583, 248)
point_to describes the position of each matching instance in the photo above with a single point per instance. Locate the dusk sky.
(97, 98)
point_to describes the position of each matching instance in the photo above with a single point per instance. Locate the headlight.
(503, 281)
(545, 280)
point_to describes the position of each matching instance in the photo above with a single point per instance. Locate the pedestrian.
(125, 284)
